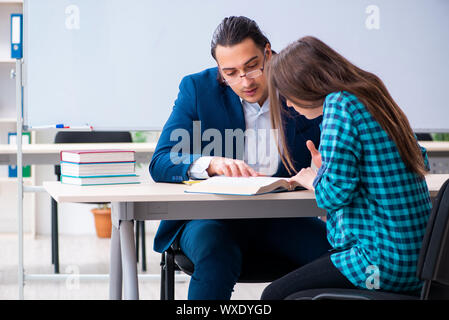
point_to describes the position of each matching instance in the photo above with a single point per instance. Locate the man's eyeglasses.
(237, 78)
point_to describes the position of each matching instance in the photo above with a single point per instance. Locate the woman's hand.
(305, 178)
(316, 155)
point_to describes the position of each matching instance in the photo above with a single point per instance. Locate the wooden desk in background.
(438, 153)
(49, 153)
(436, 148)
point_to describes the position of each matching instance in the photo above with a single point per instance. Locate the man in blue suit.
(230, 99)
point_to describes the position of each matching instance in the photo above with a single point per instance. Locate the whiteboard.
(117, 64)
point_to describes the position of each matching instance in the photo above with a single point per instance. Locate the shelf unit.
(7, 85)
(11, 121)
(8, 199)
(8, 123)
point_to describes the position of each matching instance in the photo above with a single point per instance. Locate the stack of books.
(98, 167)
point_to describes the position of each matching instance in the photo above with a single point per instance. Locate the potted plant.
(102, 217)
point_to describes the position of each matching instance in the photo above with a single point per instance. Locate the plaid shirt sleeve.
(338, 178)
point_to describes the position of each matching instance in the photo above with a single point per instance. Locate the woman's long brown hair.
(309, 70)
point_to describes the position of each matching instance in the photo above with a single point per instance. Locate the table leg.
(115, 267)
(129, 260)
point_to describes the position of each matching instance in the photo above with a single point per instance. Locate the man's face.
(238, 60)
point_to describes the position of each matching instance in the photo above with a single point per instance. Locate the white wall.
(134, 53)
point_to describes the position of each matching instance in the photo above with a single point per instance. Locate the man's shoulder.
(204, 85)
(207, 77)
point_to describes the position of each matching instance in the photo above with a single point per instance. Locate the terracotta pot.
(103, 224)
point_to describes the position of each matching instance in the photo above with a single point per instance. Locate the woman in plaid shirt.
(370, 178)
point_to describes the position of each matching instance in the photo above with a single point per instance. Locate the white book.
(111, 155)
(242, 185)
(97, 169)
(100, 180)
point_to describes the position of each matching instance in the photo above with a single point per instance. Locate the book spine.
(104, 151)
(108, 176)
(97, 162)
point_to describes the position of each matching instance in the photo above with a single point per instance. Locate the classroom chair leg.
(163, 276)
(137, 231)
(169, 276)
(144, 260)
(140, 241)
(52, 234)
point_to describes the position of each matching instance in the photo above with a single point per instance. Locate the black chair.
(424, 136)
(433, 263)
(257, 267)
(90, 137)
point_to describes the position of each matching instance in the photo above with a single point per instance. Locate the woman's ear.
(268, 52)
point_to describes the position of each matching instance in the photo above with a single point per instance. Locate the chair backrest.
(90, 137)
(433, 264)
(424, 136)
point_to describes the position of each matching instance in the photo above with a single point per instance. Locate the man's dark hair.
(233, 30)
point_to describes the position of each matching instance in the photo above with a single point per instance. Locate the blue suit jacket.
(202, 98)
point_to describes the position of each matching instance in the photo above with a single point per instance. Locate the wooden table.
(165, 201)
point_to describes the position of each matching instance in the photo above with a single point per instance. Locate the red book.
(97, 156)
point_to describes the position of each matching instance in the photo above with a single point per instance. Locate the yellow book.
(190, 182)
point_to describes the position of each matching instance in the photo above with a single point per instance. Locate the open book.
(241, 185)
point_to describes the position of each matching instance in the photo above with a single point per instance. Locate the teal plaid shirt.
(377, 210)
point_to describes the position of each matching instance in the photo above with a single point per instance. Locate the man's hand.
(316, 155)
(230, 168)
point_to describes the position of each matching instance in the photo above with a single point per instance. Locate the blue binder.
(16, 36)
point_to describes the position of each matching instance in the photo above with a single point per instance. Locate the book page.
(234, 181)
